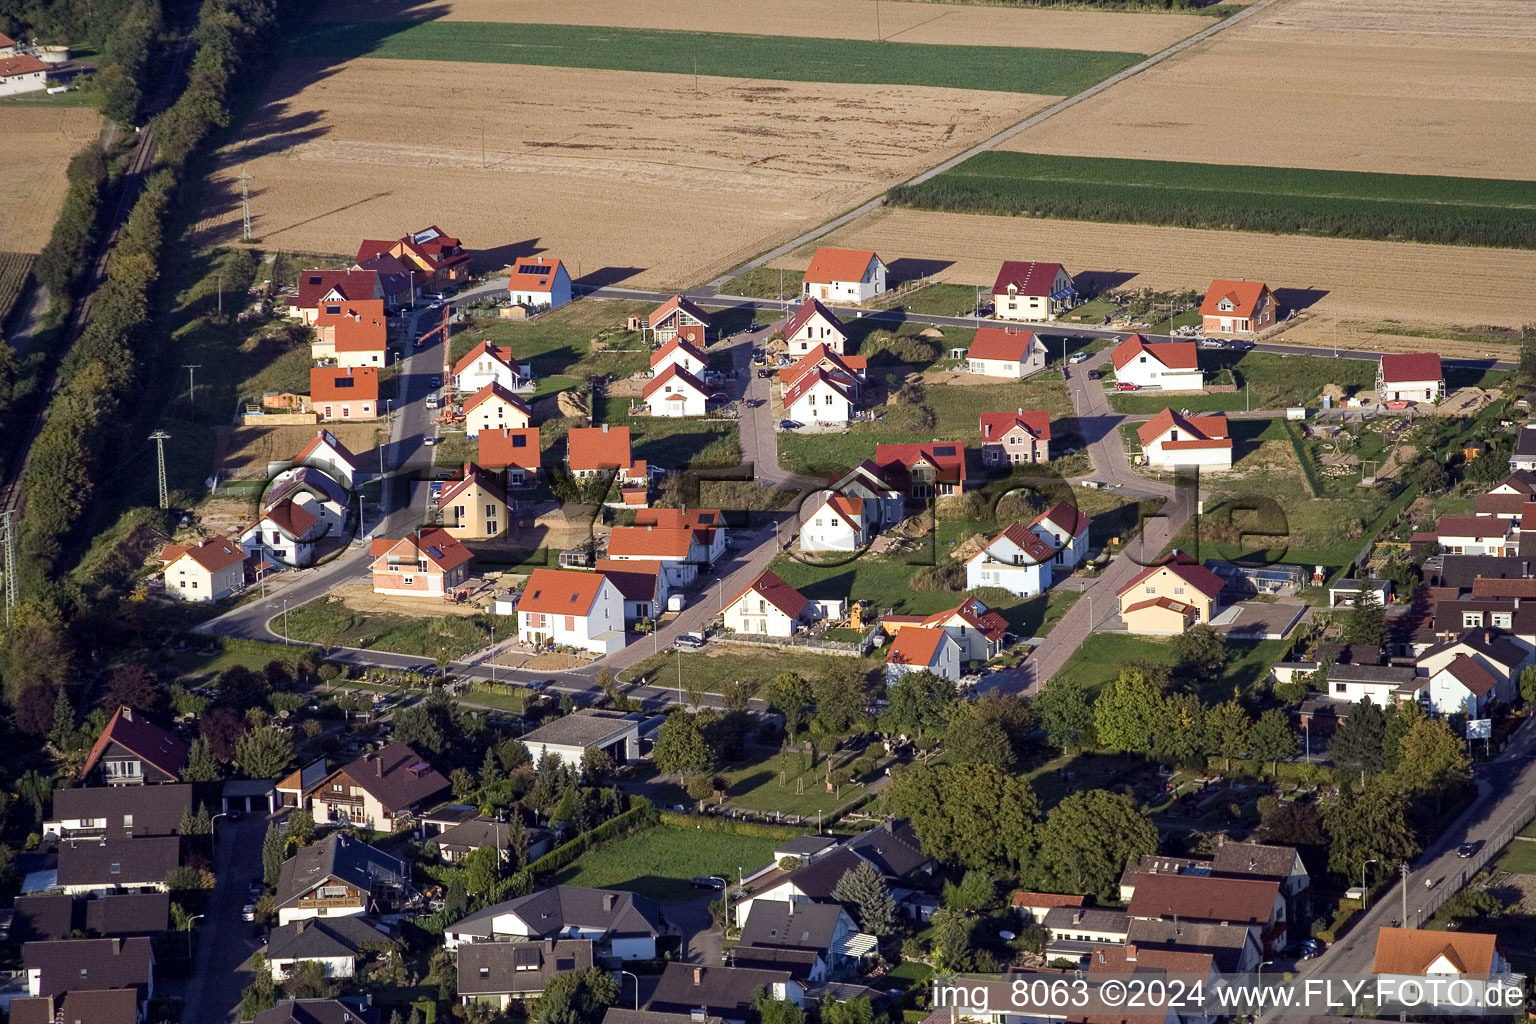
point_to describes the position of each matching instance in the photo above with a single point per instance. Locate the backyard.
(1103, 655)
(329, 622)
(660, 861)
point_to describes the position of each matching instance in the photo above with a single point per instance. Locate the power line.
(160, 437)
(8, 544)
(245, 204)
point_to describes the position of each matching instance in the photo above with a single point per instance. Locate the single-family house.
(490, 363)
(920, 649)
(1499, 653)
(344, 392)
(497, 974)
(588, 730)
(1217, 900)
(539, 283)
(90, 965)
(820, 397)
(849, 369)
(844, 275)
(133, 751)
(334, 317)
(427, 563)
(1463, 687)
(1017, 560)
(683, 540)
(1033, 906)
(678, 319)
(1266, 860)
(813, 324)
(207, 571)
(1410, 377)
(892, 849)
(1233, 949)
(674, 392)
(1353, 591)
(1405, 955)
(1171, 441)
(818, 928)
(884, 499)
(494, 407)
(512, 453)
(107, 865)
(767, 607)
(286, 534)
(1382, 685)
(335, 943)
(397, 278)
(642, 583)
(1168, 598)
(119, 812)
(435, 260)
(1006, 353)
(724, 992)
(593, 450)
(338, 876)
(1165, 366)
(124, 914)
(1238, 308)
(923, 471)
(459, 840)
(383, 789)
(318, 1011)
(475, 506)
(78, 1006)
(681, 353)
(1021, 437)
(327, 454)
(978, 630)
(571, 609)
(335, 287)
(1030, 290)
(1065, 526)
(620, 925)
(1523, 458)
(1071, 933)
(833, 522)
(22, 73)
(1477, 535)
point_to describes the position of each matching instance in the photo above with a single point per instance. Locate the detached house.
(572, 737)
(1410, 377)
(1006, 353)
(620, 925)
(1165, 366)
(513, 453)
(681, 353)
(494, 407)
(820, 397)
(767, 607)
(642, 584)
(489, 363)
(327, 454)
(318, 288)
(724, 992)
(118, 811)
(924, 470)
(593, 450)
(679, 319)
(675, 392)
(109, 865)
(574, 609)
(336, 877)
(923, 649)
(351, 333)
(1166, 599)
(495, 974)
(303, 510)
(1238, 307)
(837, 523)
(476, 506)
(1463, 687)
(813, 324)
(1065, 527)
(844, 275)
(978, 630)
(1027, 290)
(1477, 535)
(208, 571)
(1022, 437)
(1408, 954)
(335, 943)
(21, 73)
(1017, 560)
(1215, 900)
(382, 790)
(883, 497)
(132, 751)
(428, 563)
(70, 969)
(434, 259)
(539, 284)
(682, 545)
(1170, 441)
(344, 392)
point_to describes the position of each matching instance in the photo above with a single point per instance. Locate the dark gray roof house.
(339, 868)
(563, 910)
(501, 971)
(131, 913)
(804, 847)
(789, 925)
(82, 1006)
(1234, 948)
(70, 964)
(1256, 860)
(725, 992)
(119, 811)
(804, 965)
(893, 848)
(318, 1011)
(43, 916)
(322, 938)
(618, 1015)
(86, 865)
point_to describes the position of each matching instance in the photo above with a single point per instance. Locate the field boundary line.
(1027, 123)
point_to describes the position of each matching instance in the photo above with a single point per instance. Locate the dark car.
(1095, 374)
(1240, 346)
(1466, 850)
(763, 374)
(1311, 949)
(437, 381)
(702, 882)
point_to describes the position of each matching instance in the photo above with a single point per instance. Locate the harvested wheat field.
(628, 177)
(244, 452)
(1405, 86)
(949, 24)
(1365, 282)
(39, 142)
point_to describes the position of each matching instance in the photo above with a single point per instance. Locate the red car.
(1125, 385)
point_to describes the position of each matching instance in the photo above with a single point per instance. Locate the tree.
(596, 767)
(1087, 840)
(482, 870)
(1367, 620)
(1180, 736)
(63, 722)
(846, 1011)
(680, 748)
(840, 703)
(973, 815)
(1064, 710)
(274, 848)
(789, 694)
(306, 980)
(1528, 686)
(951, 940)
(239, 687)
(513, 755)
(1401, 717)
(301, 827)
(1293, 823)
(576, 997)
(975, 892)
(863, 887)
(265, 753)
(919, 704)
(202, 766)
(1199, 654)
(222, 728)
(462, 784)
(34, 709)
(35, 790)
(1273, 738)
(422, 729)
(776, 1011)
(1427, 476)
(1229, 730)
(1125, 715)
(261, 993)
(1525, 369)
(490, 768)
(1432, 759)
(1358, 743)
(973, 738)
(1369, 823)
(135, 686)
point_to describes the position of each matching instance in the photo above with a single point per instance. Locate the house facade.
(1028, 290)
(679, 319)
(1171, 441)
(681, 353)
(383, 790)
(819, 397)
(813, 324)
(1167, 599)
(428, 563)
(493, 407)
(844, 275)
(539, 283)
(1165, 366)
(675, 392)
(1410, 377)
(1241, 308)
(339, 876)
(208, 571)
(571, 609)
(1065, 527)
(133, 751)
(835, 523)
(344, 392)
(1022, 437)
(1005, 353)
(1017, 560)
(766, 607)
(489, 363)
(923, 649)
(476, 506)
(513, 453)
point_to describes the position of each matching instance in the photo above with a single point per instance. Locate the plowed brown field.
(1366, 282)
(951, 24)
(39, 142)
(1404, 86)
(633, 176)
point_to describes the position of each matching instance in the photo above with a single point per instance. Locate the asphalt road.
(223, 941)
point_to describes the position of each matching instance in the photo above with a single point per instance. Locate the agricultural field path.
(1003, 136)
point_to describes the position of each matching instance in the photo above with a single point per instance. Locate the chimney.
(1130, 953)
(609, 899)
(697, 1014)
(378, 765)
(1077, 917)
(303, 923)
(605, 428)
(117, 945)
(698, 976)
(126, 713)
(1020, 411)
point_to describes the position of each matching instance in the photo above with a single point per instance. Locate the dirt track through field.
(39, 142)
(1364, 281)
(1406, 86)
(633, 176)
(951, 24)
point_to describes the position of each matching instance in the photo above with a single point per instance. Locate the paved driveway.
(224, 941)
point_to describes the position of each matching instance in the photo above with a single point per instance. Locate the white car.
(1078, 357)
(429, 441)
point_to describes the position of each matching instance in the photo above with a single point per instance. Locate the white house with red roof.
(1017, 560)
(352, 333)
(1410, 377)
(489, 363)
(1169, 441)
(287, 533)
(22, 73)
(426, 563)
(976, 628)
(1065, 526)
(819, 397)
(924, 470)
(1027, 290)
(1238, 307)
(919, 650)
(513, 453)
(641, 582)
(493, 407)
(327, 454)
(1021, 437)
(836, 522)
(1464, 687)
(767, 607)
(844, 275)
(883, 498)
(318, 288)
(1477, 535)
(1168, 598)
(572, 609)
(539, 283)
(1165, 366)
(601, 449)
(435, 259)
(681, 319)
(681, 549)
(675, 393)
(1005, 352)
(344, 392)
(681, 353)
(813, 324)
(207, 571)
(707, 523)
(133, 751)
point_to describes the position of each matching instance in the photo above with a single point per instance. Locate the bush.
(640, 816)
(947, 576)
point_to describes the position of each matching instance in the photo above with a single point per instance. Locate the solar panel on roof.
(526, 956)
(343, 382)
(533, 269)
(944, 449)
(519, 441)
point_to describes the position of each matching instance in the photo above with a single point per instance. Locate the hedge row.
(1243, 768)
(730, 825)
(640, 816)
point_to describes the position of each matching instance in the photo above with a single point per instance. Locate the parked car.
(428, 440)
(702, 882)
(1311, 949)
(1078, 357)
(789, 424)
(1466, 850)
(1240, 346)
(437, 381)
(1212, 343)
(432, 402)
(1125, 385)
(248, 912)
(1095, 374)
(689, 642)
(764, 374)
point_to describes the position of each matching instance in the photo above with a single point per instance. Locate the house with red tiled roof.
(380, 790)
(513, 453)
(844, 275)
(882, 495)
(539, 283)
(849, 369)
(767, 607)
(350, 332)
(836, 522)
(427, 563)
(925, 470)
(1164, 366)
(675, 393)
(810, 325)
(22, 73)
(1028, 290)
(1168, 598)
(1464, 687)
(681, 353)
(573, 609)
(1477, 535)
(1005, 352)
(819, 397)
(318, 288)
(437, 259)
(133, 751)
(923, 649)
(1065, 527)
(593, 450)
(1238, 308)
(475, 506)
(397, 278)
(1021, 437)
(493, 407)
(303, 509)
(679, 319)
(208, 571)
(641, 582)
(1410, 377)
(489, 363)
(1017, 560)
(1405, 955)
(1170, 441)
(344, 392)
(1033, 906)
(327, 454)
(976, 628)
(682, 550)
(1204, 898)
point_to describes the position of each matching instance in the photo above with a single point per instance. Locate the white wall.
(744, 616)
(1020, 580)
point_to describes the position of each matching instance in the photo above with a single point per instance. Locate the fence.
(840, 648)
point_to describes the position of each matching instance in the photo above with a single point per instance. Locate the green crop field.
(1287, 200)
(782, 58)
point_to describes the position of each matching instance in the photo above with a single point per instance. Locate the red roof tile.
(213, 554)
(667, 542)
(1203, 898)
(673, 306)
(1030, 542)
(474, 476)
(350, 284)
(22, 64)
(806, 310)
(486, 348)
(1471, 675)
(829, 265)
(915, 646)
(776, 592)
(534, 274)
(676, 343)
(1001, 343)
(1187, 569)
(293, 520)
(1413, 951)
(507, 447)
(1066, 516)
(1027, 278)
(559, 592)
(949, 458)
(1196, 428)
(1245, 297)
(975, 614)
(1473, 526)
(996, 425)
(807, 381)
(636, 578)
(671, 373)
(1405, 367)
(495, 390)
(441, 549)
(343, 384)
(1175, 355)
(602, 447)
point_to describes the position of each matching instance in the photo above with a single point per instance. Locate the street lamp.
(285, 622)
(623, 972)
(1365, 894)
(1262, 965)
(194, 917)
(493, 662)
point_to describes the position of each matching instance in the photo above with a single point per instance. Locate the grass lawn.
(1272, 382)
(1092, 312)
(1519, 858)
(674, 443)
(568, 344)
(505, 697)
(1059, 778)
(1529, 831)
(1103, 655)
(788, 783)
(660, 861)
(765, 283)
(196, 665)
(782, 58)
(719, 665)
(938, 300)
(330, 621)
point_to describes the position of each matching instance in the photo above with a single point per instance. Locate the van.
(432, 402)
